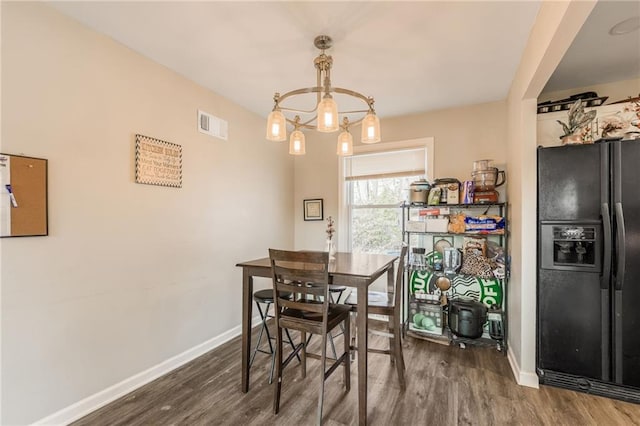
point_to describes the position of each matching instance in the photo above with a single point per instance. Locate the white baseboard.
(523, 378)
(82, 408)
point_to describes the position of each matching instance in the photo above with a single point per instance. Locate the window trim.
(343, 212)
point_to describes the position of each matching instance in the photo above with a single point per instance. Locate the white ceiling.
(597, 57)
(410, 56)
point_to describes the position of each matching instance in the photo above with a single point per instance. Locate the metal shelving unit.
(421, 239)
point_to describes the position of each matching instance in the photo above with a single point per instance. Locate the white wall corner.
(523, 378)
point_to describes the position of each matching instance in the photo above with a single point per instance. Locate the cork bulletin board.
(23, 203)
(158, 162)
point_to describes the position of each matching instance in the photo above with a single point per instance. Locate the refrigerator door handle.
(606, 264)
(620, 246)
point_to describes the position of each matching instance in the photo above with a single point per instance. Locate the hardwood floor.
(445, 386)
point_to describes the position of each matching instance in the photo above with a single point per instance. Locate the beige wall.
(461, 136)
(130, 275)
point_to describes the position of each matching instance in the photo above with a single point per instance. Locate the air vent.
(213, 126)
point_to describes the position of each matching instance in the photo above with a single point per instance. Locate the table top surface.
(352, 264)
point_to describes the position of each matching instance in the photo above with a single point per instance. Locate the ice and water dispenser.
(571, 246)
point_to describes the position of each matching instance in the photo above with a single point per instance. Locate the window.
(374, 184)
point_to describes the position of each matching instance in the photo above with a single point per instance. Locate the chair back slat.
(303, 305)
(306, 275)
(297, 276)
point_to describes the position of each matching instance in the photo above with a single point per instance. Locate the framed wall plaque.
(313, 209)
(158, 162)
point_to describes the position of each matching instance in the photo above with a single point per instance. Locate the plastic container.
(480, 165)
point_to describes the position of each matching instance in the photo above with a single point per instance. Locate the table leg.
(247, 292)
(362, 354)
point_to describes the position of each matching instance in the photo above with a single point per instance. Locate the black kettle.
(467, 318)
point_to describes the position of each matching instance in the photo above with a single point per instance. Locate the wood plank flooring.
(446, 385)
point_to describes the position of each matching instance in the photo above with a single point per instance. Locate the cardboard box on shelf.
(416, 226)
(434, 211)
(425, 316)
(437, 224)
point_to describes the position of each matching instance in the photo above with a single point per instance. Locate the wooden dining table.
(357, 270)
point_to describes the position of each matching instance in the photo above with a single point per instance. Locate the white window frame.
(344, 223)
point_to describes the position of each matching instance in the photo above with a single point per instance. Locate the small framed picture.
(313, 209)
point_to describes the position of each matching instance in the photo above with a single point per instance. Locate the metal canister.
(418, 191)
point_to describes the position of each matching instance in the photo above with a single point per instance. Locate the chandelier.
(324, 115)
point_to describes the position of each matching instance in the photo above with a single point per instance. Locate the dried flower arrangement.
(612, 125)
(634, 108)
(330, 228)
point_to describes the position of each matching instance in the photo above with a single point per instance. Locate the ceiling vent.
(213, 126)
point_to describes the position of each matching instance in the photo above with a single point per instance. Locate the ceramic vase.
(573, 139)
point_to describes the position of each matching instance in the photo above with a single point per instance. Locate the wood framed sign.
(313, 209)
(158, 162)
(23, 204)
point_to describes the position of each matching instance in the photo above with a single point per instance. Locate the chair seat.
(295, 318)
(266, 295)
(376, 299)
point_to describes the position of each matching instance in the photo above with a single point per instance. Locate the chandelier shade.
(327, 115)
(345, 143)
(370, 128)
(276, 126)
(324, 115)
(296, 143)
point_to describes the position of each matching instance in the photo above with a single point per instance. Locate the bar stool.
(265, 297)
(336, 289)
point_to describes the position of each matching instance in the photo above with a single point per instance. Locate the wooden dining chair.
(309, 311)
(389, 304)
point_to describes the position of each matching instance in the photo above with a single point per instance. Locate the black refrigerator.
(588, 289)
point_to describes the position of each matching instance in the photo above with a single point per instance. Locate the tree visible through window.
(376, 184)
(375, 216)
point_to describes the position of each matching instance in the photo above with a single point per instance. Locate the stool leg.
(271, 349)
(293, 346)
(273, 357)
(333, 346)
(337, 300)
(353, 333)
(264, 326)
(273, 364)
(266, 317)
